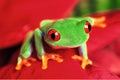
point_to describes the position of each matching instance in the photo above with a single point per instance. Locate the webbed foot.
(24, 62)
(46, 57)
(99, 22)
(85, 62)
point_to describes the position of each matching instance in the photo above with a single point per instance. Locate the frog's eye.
(87, 27)
(53, 35)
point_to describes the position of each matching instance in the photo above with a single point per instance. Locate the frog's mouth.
(63, 47)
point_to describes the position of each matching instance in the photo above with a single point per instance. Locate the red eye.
(53, 35)
(87, 27)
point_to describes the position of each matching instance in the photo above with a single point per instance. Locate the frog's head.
(66, 33)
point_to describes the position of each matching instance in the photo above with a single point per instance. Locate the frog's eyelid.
(45, 22)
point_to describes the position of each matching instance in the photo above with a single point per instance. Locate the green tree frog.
(62, 33)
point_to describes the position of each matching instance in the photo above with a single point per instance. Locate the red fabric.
(69, 69)
(100, 37)
(17, 17)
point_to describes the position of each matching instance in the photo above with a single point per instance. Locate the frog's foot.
(99, 22)
(46, 57)
(85, 62)
(25, 62)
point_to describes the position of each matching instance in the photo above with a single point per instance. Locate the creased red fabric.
(100, 37)
(17, 17)
(69, 69)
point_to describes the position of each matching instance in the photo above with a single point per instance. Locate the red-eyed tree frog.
(62, 33)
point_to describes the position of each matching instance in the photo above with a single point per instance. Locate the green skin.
(72, 34)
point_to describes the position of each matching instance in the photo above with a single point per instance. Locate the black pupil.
(53, 36)
(89, 27)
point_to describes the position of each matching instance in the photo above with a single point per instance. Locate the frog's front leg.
(48, 56)
(40, 50)
(85, 60)
(25, 53)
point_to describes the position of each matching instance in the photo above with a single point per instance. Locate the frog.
(59, 33)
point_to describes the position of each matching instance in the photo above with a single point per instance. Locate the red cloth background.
(103, 48)
(19, 17)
